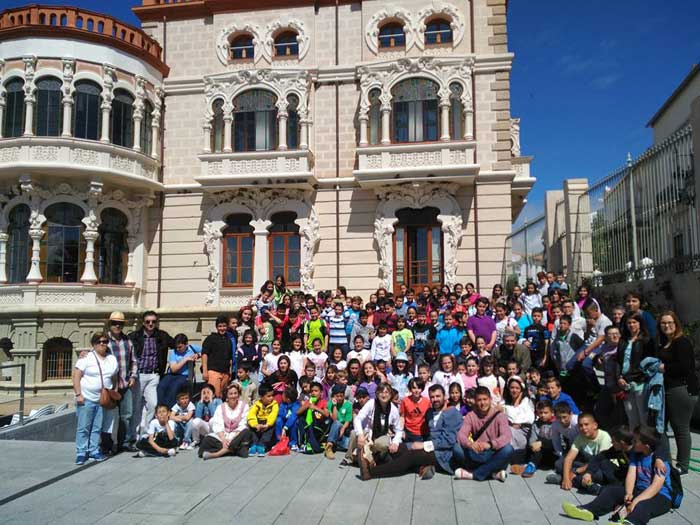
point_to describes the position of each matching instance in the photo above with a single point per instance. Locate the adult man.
(511, 350)
(151, 348)
(123, 350)
(483, 442)
(482, 325)
(448, 337)
(443, 423)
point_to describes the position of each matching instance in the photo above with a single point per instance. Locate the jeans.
(145, 400)
(89, 425)
(635, 408)
(483, 463)
(340, 441)
(168, 388)
(183, 431)
(292, 431)
(613, 496)
(679, 410)
(124, 414)
(262, 438)
(410, 437)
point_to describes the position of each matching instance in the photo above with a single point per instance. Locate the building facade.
(180, 165)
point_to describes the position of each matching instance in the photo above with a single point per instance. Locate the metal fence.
(643, 216)
(527, 251)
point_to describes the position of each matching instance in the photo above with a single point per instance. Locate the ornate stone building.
(357, 143)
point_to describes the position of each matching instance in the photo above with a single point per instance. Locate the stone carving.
(114, 299)
(122, 163)
(452, 234)
(29, 71)
(212, 242)
(11, 298)
(9, 154)
(215, 168)
(67, 87)
(109, 76)
(59, 298)
(310, 235)
(383, 232)
(278, 26)
(234, 300)
(223, 40)
(515, 137)
(45, 153)
(84, 156)
(417, 158)
(447, 11)
(385, 15)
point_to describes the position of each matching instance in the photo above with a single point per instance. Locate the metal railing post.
(21, 393)
(633, 214)
(527, 256)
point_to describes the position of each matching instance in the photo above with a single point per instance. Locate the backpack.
(676, 487)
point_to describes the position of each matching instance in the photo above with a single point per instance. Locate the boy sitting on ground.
(261, 420)
(182, 413)
(340, 411)
(590, 442)
(159, 439)
(540, 449)
(287, 419)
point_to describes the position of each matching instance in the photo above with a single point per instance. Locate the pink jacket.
(497, 434)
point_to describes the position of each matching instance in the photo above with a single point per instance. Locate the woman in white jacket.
(520, 412)
(230, 433)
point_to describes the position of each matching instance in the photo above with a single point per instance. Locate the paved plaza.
(293, 489)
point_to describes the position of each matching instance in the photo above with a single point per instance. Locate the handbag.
(108, 397)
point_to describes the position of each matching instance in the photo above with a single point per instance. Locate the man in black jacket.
(151, 348)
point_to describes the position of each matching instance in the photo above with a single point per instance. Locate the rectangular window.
(285, 256)
(238, 260)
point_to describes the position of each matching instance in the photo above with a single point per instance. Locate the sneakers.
(577, 513)
(426, 472)
(294, 448)
(328, 451)
(140, 454)
(171, 452)
(501, 476)
(529, 471)
(206, 455)
(345, 463)
(462, 473)
(187, 446)
(98, 456)
(261, 451)
(517, 470)
(553, 479)
(80, 460)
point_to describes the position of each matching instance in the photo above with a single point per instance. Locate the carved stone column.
(89, 276)
(3, 260)
(131, 243)
(68, 68)
(261, 253)
(138, 112)
(35, 233)
(309, 229)
(212, 246)
(155, 124)
(2, 95)
(385, 100)
(207, 138)
(364, 123)
(445, 117)
(282, 131)
(108, 76)
(303, 134)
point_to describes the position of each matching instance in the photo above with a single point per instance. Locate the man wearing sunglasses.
(151, 347)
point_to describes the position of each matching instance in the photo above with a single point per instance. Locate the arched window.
(293, 122)
(415, 110)
(86, 113)
(238, 250)
(112, 249)
(49, 108)
(438, 31)
(286, 44)
(19, 245)
(217, 126)
(63, 245)
(147, 128)
(255, 121)
(122, 119)
(241, 47)
(285, 247)
(375, 117)
(58, 357)
(392, 35)
(418, 248)
(456, 112)
(14, 108)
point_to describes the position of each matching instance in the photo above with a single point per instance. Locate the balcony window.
(217, 126)
(49, 110)
(147, 128)
(285, 247)
(456, 112)
(415, 111)
(19, 244)
(63, 247)
(86, 114)
(14, 108)
(255, 121)
(286, 44)
(391, 35)
(293, 122)
(112, 249)
(122, 119)
(438, 31)
(241, 48)
(238, 242)
(375, 117)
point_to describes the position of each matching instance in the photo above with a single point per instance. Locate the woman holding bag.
(93, 373)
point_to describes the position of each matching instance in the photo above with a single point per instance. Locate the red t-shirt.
(414, 415)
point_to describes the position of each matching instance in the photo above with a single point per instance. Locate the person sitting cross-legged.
(483, 443)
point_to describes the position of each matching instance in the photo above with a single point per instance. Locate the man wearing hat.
(122, 349)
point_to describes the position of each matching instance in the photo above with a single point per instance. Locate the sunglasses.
(117, 323)
(103, 341)
(149, 322)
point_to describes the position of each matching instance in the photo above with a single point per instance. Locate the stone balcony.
(288, 168)
(71, 157)
(426, 161)
(74, 296)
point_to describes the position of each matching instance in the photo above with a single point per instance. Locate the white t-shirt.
(90, 384)
(502, 326)
(598, 328)
(362, 356)
(296, 362)
(340, 365)
(271, 361)
(156, 428)
(381, 348)
(319, 361)
(177, 410)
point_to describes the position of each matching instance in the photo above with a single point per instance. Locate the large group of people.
(433, 380)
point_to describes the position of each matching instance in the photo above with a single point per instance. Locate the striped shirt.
(336, 330)
(123, 351)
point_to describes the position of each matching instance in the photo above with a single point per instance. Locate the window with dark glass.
(19, 245)
(292, 122)
(285, 247)
(456, 112)
(14, 108)
(112, 249)
(255, 121)
(122, 119)
(217, 126)
(438, 31)
(147, 128)
(47, 118)
(286, 44)
(392, 35)
(375, 117)
(242, 48)
(63, 247)
(86, 111)
(415, 110)
(238, 243)
(418, 248)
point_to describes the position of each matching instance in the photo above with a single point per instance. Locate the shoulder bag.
(108, 398)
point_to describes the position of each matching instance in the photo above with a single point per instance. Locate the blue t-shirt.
(448, 340)
(564, 398)
(176, 357)
(646, 473)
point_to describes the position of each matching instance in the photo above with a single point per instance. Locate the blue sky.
(586, 79)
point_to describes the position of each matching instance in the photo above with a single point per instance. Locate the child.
(315, 329)
(287, 419)
(364, 330)
(319, 359)
(341, 378)
(512, 369)
(256, 373)
(269, 364)
(314, 420)
(426, 378)
(647, 492)
(248, 351)
(564, 432)
(423, 332)
(203, 412)
(297, 358)
(471, 373)
(340, 411)
(337, 358)
(494, 383)
(360, 351)
(555, 395)
(539, 443)
(382, 347)
(534, 378)
(456, 400)
(536, 338)
(590, 441)
(402, 338)
(248, 386)
(159, 439)
(261, 418)
(336, 328)
(304, 389)
(400, 375)
(412, 411)
(182, 413)
(329, 380)
(466, 346)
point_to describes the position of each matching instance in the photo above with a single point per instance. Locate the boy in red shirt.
(412, 412)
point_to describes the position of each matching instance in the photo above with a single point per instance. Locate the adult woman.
(520, 412)
(680, 382)
(93, 372)
(283, 377)
(378, 420)
(630, 352)
(448, 373)
(176, 378)
(230, 433)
